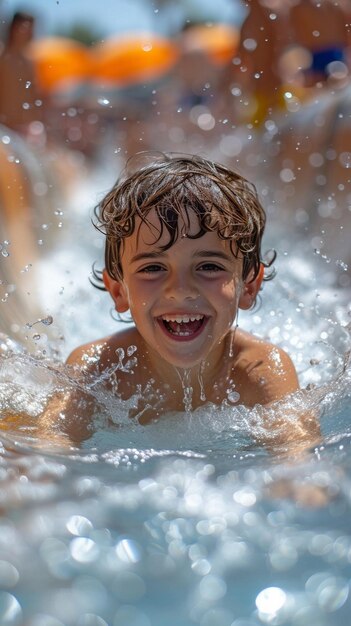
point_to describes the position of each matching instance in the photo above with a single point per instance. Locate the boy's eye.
(210, 267)
(151, 268)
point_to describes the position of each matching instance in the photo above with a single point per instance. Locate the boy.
(183, 254)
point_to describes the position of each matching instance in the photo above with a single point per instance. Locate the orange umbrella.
(220, 41)
(59, 60)
(133, 58)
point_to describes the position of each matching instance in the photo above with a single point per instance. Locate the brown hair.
(173, 185)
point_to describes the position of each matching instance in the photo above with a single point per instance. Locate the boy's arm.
(286, 418)
(67, 416)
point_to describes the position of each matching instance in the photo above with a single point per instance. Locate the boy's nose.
(180, 287)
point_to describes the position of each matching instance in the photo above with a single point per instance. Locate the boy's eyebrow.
(141, 256)
(147, 255)
(213, 253)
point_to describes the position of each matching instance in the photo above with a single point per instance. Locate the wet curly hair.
(173, 185)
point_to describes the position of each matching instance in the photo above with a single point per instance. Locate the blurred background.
(118, 16)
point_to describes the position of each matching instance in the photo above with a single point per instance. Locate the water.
(186, 521)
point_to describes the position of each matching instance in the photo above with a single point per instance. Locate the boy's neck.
(203, 377)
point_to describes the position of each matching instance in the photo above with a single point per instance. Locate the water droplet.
(233, 396)
(103, 101)
(47, 320)
(345, 159)
(344, 266)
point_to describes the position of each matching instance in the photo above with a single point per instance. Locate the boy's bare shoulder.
(103, 351)
(266, 369)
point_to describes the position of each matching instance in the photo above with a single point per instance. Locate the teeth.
(182, 319)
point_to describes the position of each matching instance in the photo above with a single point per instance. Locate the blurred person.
(189, 98)
(20, 104)
(320, 28)
(254, 77)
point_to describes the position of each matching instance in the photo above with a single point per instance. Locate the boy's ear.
(117, 292)
(250, 290)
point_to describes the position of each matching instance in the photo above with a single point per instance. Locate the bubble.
(287, 175)
(9, 575)
(131, 350)
(233, 396)
(84, 550)
(269, 601)
(128, 551)
(10, 610)
(202, 567)
(250, 44)
(79, 525)
(331, 591)
(47, 320)
(245, 497)
(90, 619)
(316, 159)
(337, 69)
(206, 121)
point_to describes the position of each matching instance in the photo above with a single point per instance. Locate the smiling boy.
(183, 255)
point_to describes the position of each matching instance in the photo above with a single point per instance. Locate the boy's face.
(183, 300)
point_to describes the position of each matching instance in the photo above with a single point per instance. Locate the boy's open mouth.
(182, 326)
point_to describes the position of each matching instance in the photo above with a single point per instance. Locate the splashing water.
(183, 521)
